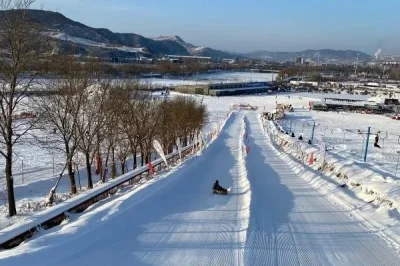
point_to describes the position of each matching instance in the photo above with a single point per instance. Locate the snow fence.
(383, 190)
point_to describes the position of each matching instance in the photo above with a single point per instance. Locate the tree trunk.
(89, 171)
(141, 155)
(113, 166)
(103, 178)
(166, 147)
(71, 174)
(184, 140)
(134, 159)
(147, 156)
(10, 183)
(123, 166)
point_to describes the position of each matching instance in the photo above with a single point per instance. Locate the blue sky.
(247, 25)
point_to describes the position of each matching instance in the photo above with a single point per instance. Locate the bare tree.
(61, 110)
(118, 102)
(111, 132)
(123, 150)
(90, 121)
(128, 117)
(130, 130)
(145, 119)
(22, 43)
(167, 131)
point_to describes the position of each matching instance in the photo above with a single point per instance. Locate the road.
(271, 217)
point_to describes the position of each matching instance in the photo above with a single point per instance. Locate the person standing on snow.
(376, 141)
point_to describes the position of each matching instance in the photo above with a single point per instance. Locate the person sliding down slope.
(218, 189)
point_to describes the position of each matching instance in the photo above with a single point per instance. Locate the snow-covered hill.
(103, 42)
(99, 41)
(177, 39)
(197, 50)
(87, 42)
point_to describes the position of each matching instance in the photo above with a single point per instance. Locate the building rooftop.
(189, 56)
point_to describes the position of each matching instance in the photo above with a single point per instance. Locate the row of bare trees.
(343, 72)
(117, 119)
(86, 114)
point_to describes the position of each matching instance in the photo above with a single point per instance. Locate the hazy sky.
(246, 25)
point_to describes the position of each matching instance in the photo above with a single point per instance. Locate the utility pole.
(366, 145)
(312, 134)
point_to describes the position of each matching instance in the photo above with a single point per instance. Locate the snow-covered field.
(346, 134)
(215, 77)
(338, 130)
(271, 217)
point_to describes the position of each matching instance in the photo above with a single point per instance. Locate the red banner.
(311, 160)
(151, 168)
(247, 149)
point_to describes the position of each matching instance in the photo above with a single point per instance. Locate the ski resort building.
(189, 58)
(338, 104)
(228, 89)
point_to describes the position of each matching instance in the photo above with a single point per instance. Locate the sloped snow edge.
(343, 185)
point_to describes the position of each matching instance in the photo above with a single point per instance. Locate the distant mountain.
(103, 42)
(99, 41)
(323, 55)
(198, 50)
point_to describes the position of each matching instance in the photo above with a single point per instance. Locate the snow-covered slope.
(271, 217)
(292, 224)
(78, 40)
(196, 50)
(56, 22)
(177, 39)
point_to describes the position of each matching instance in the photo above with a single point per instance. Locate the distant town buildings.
(228, 89)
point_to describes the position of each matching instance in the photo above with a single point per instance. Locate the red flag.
(311, 160)
(247, 149)
(151, 168)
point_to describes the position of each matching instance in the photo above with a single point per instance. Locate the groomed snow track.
(271, 217)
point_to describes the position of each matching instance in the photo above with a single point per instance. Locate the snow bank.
(347, 172)
(243, 185)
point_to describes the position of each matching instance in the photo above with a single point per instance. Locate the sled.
(220, 192)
